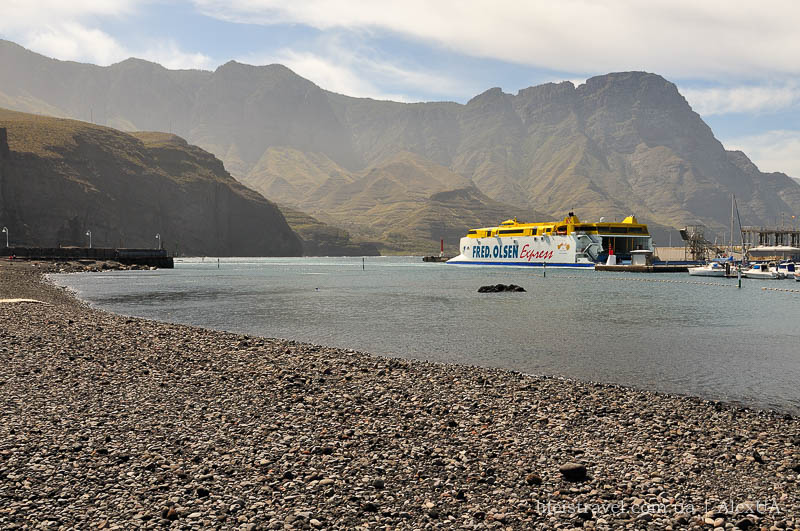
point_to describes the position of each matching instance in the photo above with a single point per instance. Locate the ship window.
(511, 231)
(473, 231)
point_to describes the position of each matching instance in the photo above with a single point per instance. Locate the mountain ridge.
(60, 178)
(620, 143)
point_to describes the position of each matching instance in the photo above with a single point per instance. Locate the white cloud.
(74, 42)
(777, 150)
(169, 55)
(17, 12)
(742, 99)
(332, 75)
(348, 69)
(677, 38)
(55, 28)
(68, 30)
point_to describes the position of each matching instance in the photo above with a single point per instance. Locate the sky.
(737, 62)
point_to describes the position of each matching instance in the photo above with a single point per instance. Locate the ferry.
(566, 243)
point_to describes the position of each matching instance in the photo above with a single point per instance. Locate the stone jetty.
(113, 422)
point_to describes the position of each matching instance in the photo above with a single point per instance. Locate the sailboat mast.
(730, 246)
(741, 232)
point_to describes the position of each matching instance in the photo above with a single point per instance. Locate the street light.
(89, 234)
(5, 229)
(158, 237)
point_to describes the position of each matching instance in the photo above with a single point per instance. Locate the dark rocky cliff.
(4, 150)
(5, 153)
(62, 178)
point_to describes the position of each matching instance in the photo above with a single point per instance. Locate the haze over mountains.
(406, 174)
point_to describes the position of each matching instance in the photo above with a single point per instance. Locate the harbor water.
(667, 332)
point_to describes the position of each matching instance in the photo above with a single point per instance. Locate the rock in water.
(498, 288)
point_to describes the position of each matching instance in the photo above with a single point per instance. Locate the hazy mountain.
(320, 239)
(619, 144)
(60, 178)
(404, 202)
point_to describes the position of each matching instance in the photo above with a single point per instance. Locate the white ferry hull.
(551, 251)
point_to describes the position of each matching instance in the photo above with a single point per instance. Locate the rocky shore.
(116, 422)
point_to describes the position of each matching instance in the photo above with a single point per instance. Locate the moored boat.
(762, 271)
(566, 243)
(712, 269)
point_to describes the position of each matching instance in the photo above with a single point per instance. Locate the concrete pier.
(144, 257)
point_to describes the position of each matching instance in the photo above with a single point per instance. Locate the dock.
(142, 257)
(656, 268)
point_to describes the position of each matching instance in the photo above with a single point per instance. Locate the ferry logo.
(563, 246)
(495, 251)
(530, 254)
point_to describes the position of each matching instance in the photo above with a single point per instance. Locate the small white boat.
(713, 269)
(762, 271)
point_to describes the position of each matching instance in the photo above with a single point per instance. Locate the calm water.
(688, 338)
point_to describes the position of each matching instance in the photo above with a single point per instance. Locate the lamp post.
(158, 237)
(5, 229)
(89, 234)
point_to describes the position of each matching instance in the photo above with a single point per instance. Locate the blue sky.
(735, 62)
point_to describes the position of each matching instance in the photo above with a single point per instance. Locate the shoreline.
(119, 421)
(780, 404)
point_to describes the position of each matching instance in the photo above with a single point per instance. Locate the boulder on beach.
(573, 471)
(498, 288)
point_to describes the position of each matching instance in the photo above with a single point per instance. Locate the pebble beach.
(114, 422)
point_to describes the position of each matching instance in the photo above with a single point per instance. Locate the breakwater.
(144, 257)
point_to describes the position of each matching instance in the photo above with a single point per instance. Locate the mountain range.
(403, 175)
